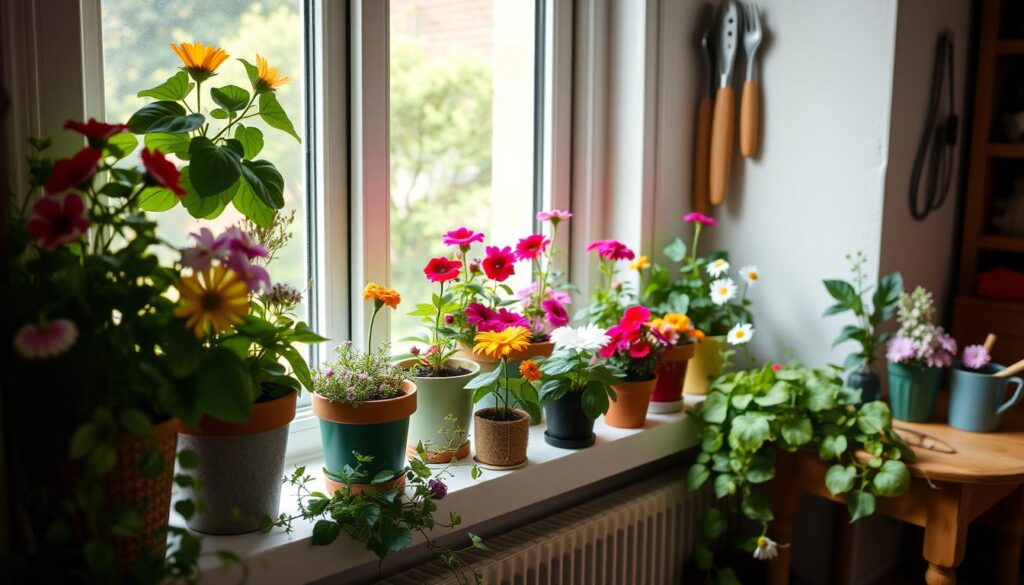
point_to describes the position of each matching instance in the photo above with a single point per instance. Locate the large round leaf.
(251, 140)
(176, 144)
(230, 97)
(157, 199)
(164, 117)
(252, 207)
(204, 207)
(214, 168)
(266, 183)
(225, 386)
(174, 89)
(274, 115)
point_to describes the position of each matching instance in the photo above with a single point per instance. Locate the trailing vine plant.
(753, 415)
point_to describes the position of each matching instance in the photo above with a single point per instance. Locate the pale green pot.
(438, 398)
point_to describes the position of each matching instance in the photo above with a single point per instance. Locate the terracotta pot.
(441, 397)
(501, 443)
(706, 363)
(240, 467)
(629, 410)
(377, 428)
(668, 394)
(487, 364)
(150, 497)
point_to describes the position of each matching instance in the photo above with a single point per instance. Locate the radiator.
(640, 535)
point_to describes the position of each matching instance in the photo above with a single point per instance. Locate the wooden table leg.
(1011, 531)
(785, 501)
(946, 532)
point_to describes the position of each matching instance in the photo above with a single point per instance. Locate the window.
(463, 82)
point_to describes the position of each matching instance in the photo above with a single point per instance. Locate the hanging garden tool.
(723, 121)
(750, 106)
(701, 148)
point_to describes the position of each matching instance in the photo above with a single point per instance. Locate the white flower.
(723, 290)
(740, 333)
(589, 337)
(767, 549)
(717, 268)
(750, 274)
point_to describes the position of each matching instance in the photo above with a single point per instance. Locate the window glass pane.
(462, 133)
(137, 56)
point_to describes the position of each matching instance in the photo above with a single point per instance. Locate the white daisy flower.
(750, 274)
(767, 549)
(717, 268)
(740, 333)
(723, 290)
(589, 337)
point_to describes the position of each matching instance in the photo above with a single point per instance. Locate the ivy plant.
(752, 415)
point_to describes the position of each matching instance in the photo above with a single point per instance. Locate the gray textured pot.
(238, 479)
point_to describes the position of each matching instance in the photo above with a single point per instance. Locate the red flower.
(531, 246)
(442, 269)
(162, 171)
(639, 350)
(462, 237)
(776, 367)
(72, 172)
(499, 263)
(97, 132)
(58, 220)
(700, 218)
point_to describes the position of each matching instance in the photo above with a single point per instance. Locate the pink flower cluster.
(485, 318)
(935, 351)
(633, 336)
(612, 250)
(234, 249)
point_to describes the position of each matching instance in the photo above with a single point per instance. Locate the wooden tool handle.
(722, 129)
(1011, 370)
(750, 118)
(701, 199)
(990, 342)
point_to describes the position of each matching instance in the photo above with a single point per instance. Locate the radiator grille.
(640, 535)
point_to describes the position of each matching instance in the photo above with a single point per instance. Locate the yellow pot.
(705, 363)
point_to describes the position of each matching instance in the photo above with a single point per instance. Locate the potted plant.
(364, 401)
(92, 335)
(445, 404)
(706, 292)
(237, 479)
(870, 315)
(917, 354)
(682, 338)
(546, 300)
(611, 297)
(575, 387)
(503, 431)
(635, 348)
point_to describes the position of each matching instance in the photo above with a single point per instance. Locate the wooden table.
(986, 473)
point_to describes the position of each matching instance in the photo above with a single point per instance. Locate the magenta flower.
(700, 218)
(563, 298)
(442, 269)
(532, 246)
(462, 237)
(207, 249)
(477, 313)
(57, 220)
(555, 313)
(256, 277)
(976, 357)
(611, 250)
(900, 349)
(437, 488)
(554, 216)
(45, 340)
(239, 242)
(505, 319)
(499, 263)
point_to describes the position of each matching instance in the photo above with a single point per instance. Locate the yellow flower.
(200, 60)
(678, 321)
(640, 263)
(215, 299)
(268, 78)
(381, 295)
(697, 335)
(530, 371)
(499, 344)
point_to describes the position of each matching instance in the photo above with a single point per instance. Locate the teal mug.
(976, 398)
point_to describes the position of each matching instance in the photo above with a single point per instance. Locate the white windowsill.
(277, 557)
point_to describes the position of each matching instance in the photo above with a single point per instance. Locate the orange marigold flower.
(382, 295)
(678, 321)
(697, 335)
(200, 60)
(268, 78)
(530, 371)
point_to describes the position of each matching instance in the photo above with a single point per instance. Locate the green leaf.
(715, 408)
(164, 117)
(712, 523)
(101, 460)
(797, 431)
(841, 291)
(886, 297)
(214, 168)
(711, 439)
(891, 480)
(203, 207)
(265, 181)
(832, 447)
(188, 459)
(778, 394)
(749, 431)
(861, 504)
(230, 97)
(836, 309)
(176, 144)
(224, 386)
(325, 532)
(274, 115)
(395, 538)
(251, 139)
(756, 506)
(839, 478)
(157, 199)
(383, 476)
(675, 250)
(134, 422)
(703, 558)
(299, 366)
(761, 467)
(477, 542)
(249, 205)
(724, 486)
(186, 508)
(874, 417)
(219, 114)
(123, 144)
(82, 440)
(174, 89)
(252, 72)
(594, 400)
(741, 401)
(696, 476)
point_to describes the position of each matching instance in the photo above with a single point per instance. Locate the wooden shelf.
(1003, 243)
(1010, 47)
(1005, 150)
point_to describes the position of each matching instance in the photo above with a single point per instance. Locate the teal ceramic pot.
(867, 382)
(376, 428)
(913, 391)
(438, 398)
(977, 399)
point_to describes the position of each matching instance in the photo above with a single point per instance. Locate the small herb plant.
(355, 376)
(752, 415)
(851, 297)
(573, 367)
(634, 347)
(508, 384)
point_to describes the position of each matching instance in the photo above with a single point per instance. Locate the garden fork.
(750, 106)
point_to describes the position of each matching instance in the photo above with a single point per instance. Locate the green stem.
(369, 337)
(693, 248)
(236, 119)
(505, 365)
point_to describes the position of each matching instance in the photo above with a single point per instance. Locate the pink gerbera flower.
(554, 216)
(462, 237)
(57, 220)
(42, 341)
(532, 246)
(976, 357)
(555, 313)
(611, 250)
(700, 218)
(442, 269)
(499, 263)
